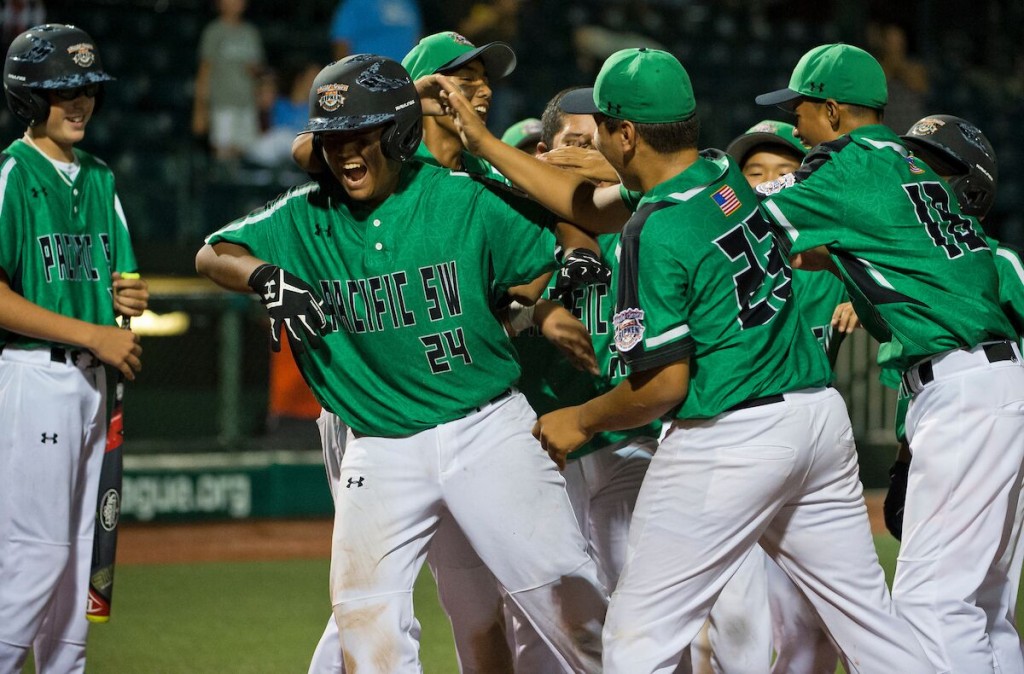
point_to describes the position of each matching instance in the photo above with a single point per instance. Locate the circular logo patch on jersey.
(83, 54)
(771, 187)
(110, 509)
(629, 328)
(330, 96)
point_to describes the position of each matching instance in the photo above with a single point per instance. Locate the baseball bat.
(108, 506)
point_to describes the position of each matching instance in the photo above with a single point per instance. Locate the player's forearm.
(568, 195)
(228, 265)
(24, 317)
(638, 400)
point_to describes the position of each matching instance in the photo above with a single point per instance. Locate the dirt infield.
(267, 539)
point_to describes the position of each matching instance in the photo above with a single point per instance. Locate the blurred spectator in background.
(231, 60)
(907, 77)
(287, 114)
(17, 16)
(384, 27)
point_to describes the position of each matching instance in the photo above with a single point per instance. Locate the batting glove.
(581, 267)
(293, 307)
(896, 498)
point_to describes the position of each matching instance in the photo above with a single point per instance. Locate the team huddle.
(585, 374)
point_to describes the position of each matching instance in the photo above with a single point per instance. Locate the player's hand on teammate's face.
(567, 333)
(844, 318)
(118, 348)
(560, 433)
(429, 89)
(131, 295)
(586, 161)
(470, 126)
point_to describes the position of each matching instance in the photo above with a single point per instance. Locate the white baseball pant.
(602, 487)
(53, 416)
(785, 474)
(467, 589)
(960, 560)
(509, 500)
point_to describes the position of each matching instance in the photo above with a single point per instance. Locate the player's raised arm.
(228, 265)
(570, 196)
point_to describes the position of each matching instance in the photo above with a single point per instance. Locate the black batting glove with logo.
(293, 307)
(581, 267)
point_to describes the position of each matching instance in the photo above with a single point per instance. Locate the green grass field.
(248, 618)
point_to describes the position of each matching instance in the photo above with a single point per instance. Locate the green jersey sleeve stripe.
(120, 212)
(782, 220)
(881, 144)
(875, 274)
(688, 194)
(5, 172)
(253, 218)
(666, 337)
(1014, 262)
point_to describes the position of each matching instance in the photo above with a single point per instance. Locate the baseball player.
(467, 589)
(602, 478)
(924, 283)
(766, 152)
(414, 362)
(962, 155)
(63, 245)
(759, 448)
(524, 134)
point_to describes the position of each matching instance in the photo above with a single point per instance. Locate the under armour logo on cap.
(818, 87)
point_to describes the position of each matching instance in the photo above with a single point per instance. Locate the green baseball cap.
(843, 72)
(643, 85)
(524, 134)
(768, 132)
(448, 51)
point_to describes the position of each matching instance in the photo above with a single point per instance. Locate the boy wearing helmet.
(63, 246)
(414, 362)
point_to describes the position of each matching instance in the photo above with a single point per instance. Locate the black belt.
(59, 354)
(501, 396)
(996, 352)
(757, 402)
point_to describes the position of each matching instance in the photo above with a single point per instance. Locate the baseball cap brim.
(498, 58)
(579, 102)
(786, 98)
(741, 147)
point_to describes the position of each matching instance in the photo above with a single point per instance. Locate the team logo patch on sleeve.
(771, 187)
(726, 199)
(629, 328)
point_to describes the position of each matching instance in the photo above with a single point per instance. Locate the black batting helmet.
(46, 58)
(364, 91)
(956, 148)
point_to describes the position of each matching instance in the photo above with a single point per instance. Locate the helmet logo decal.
(927, 127)
(329, 96)
(37, 54)
(972, 135)
(83, 54)
(372, 80)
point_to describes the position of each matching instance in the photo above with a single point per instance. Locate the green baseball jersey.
(818, 294)
(921, 277)
(549, 382)
(412, 341)
(702, 277)
(471, 164)
(61, 240)
(1011, 298)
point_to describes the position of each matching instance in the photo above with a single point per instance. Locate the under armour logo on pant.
(49, 438)
(352, 482)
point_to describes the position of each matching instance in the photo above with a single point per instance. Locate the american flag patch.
(726, 200)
